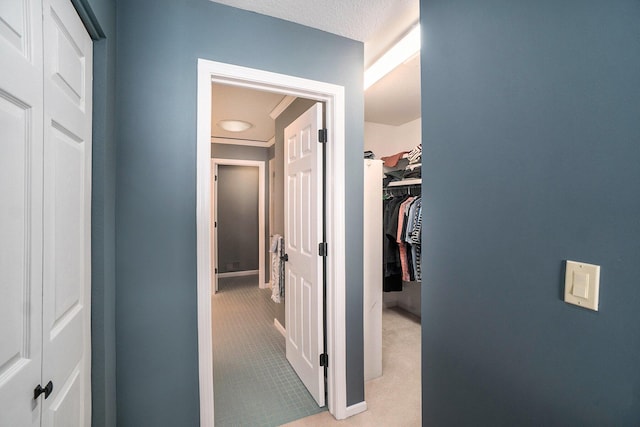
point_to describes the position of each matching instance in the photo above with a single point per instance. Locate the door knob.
(46, 390)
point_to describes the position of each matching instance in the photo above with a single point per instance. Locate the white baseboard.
(265, 285)
(279, 327)
(389, 304)
(238, 273)
(356, 409)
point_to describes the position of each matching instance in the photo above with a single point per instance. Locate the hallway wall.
(102, 18)
(385, 140)
(238, 219)
(531, 115)
(159, 42)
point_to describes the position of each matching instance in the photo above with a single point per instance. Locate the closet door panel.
(20, 211)
(67, 200)
(16, 25)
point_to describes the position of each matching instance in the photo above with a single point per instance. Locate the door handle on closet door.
(46, 390)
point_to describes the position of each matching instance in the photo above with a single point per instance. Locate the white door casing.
(334, 98)
(20, 210)
(272, 190)
(303, 231)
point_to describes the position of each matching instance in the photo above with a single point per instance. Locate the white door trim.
(333, 96)
(262, 249)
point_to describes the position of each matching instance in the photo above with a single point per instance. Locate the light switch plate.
(582, 284)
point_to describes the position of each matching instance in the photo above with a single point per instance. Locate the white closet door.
(20, 210)
(67, 204)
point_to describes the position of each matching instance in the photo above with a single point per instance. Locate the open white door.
(66, 341)
(303, 231)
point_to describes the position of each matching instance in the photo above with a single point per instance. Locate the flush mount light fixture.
(234, 125)
(402, 51)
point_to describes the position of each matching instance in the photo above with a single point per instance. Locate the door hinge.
(324, 360)
(215, 224)
(216, 271)
(322, 249)
(322, 136)
(216, 178)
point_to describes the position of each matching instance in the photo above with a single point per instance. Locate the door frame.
(333, 96)
(262, 249)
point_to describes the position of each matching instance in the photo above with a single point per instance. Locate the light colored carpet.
(394, 399)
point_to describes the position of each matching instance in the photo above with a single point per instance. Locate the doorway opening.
(333, 96)
(256, 380)
(392, 244)
(238, 201)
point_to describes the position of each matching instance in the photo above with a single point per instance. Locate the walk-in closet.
(392, 259)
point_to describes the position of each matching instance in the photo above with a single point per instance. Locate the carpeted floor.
(254, 385)
(394, 399)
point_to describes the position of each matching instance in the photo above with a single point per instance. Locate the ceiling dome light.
(234, 125)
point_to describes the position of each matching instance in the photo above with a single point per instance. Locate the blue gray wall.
(100, 18)
(158, 46)
(531, 128)
(239, 152)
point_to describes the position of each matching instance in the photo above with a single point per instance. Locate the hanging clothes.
(402, 221)
(391, 254)
(412, 235)
(277, 268)
(400, 239)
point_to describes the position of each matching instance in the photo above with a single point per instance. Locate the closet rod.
(405, 182)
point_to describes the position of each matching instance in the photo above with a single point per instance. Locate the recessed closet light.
(234, 125)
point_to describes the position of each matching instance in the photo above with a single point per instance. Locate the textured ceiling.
(395, 99)
(354, 19)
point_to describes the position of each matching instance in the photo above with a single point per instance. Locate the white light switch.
(582, 284)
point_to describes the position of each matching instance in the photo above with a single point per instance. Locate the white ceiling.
(249, 105)
(355, 19)
(394, 100)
